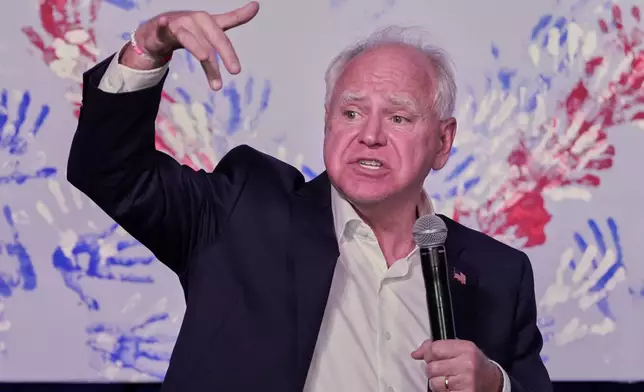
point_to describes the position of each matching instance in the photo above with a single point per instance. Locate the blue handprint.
(586, 281)
(15, 136)
(550, 34)
(103, 261)
(589, 277)
(598, 274)
(19, 177)
(563, 39)
(242, 113)
(206, 129)
(236, 116)
(133, 348)
(22, 274)
(11, 138)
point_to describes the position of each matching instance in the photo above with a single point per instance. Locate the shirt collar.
(345, 216)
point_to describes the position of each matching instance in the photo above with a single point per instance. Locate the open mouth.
(370, 164)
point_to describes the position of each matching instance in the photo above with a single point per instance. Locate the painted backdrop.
(548, 158)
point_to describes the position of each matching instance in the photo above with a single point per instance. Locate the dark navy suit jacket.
(254, 247)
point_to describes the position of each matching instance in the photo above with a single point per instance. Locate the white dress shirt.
(375, 315)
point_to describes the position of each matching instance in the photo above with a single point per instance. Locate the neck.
(392, 224)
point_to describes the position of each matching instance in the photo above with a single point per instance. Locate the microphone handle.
(439, 301)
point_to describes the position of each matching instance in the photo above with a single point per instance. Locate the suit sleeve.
(171, 209)
(527, 372)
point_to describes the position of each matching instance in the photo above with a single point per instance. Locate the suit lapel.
(314, 254)
(463, 284)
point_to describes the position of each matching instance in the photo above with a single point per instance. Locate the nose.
(373, 134)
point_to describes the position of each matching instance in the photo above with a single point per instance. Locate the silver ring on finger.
(446, 382)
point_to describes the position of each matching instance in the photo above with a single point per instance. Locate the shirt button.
(388, 337)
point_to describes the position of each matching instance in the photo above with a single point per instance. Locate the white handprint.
(199, 134)
(582, 286)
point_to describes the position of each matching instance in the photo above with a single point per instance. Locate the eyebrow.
(405, 102)
(348, 97)
(396, 100)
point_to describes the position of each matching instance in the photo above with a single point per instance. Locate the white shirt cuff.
(506, 379)
(121, 79)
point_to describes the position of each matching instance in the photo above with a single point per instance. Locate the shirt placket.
(381, 349)
(386, 340)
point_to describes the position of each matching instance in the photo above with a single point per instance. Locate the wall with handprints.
(547, 159)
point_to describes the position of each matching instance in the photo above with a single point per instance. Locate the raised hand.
(199, 32)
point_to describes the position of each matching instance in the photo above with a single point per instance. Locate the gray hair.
(445, 92)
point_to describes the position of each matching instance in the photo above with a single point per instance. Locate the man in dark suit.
(315, 286)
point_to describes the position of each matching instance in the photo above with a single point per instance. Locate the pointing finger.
(219, 40)
(203, 53)
(237, 17)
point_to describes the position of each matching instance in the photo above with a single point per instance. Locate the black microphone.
(430, 234)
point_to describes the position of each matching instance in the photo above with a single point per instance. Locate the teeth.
(371, 164)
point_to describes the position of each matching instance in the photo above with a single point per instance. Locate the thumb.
(418, 353)
(237, 17)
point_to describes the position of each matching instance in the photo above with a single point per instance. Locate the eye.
(399, 119)
(350, 114)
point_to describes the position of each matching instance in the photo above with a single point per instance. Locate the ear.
(447, 132)
(326, 117)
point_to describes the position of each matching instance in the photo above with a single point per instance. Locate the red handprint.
(68, 42)
(66, 22)
(573, 144)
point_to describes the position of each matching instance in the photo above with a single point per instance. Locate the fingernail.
(215, 84)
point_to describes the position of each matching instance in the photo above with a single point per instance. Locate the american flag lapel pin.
(460, 277)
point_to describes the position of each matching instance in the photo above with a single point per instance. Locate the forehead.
(392, 70)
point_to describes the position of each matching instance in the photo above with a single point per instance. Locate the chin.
(365, 193)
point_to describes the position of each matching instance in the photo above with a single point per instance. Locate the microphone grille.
(429, 231)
